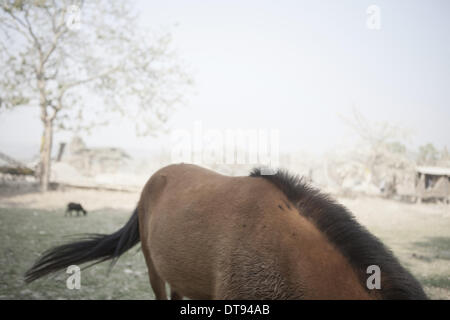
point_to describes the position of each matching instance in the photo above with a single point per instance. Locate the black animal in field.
(72, 206)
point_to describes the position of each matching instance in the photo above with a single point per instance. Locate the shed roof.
(435, 171)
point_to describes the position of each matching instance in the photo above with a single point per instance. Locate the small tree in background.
(82, 63)
(428, 154)
(380, 148)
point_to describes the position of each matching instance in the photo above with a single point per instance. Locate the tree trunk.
(46, 151)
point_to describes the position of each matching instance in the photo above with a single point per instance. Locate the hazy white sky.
(294, 66)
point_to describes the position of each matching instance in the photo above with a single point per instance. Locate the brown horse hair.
(356, 243)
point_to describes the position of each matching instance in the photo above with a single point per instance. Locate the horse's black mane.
(358, 245)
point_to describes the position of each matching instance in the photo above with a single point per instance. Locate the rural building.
(91, 161)
(433, 183)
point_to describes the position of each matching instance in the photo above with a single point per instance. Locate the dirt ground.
(28, 197)
(418, 234)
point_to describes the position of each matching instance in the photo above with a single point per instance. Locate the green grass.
(25, 233)
(437, 247)
(436, 281)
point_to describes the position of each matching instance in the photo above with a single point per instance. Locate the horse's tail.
(91, 247)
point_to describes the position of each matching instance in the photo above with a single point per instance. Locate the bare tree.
(84, 63)
(380, 145)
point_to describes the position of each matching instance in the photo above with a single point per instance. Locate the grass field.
(419, 235)
(24, 233)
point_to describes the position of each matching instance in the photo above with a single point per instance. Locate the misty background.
(295, 66)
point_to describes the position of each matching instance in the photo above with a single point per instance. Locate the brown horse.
(211, 236)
